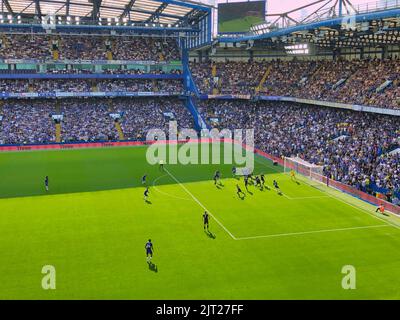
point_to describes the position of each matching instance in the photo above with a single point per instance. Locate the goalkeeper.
(293, 175)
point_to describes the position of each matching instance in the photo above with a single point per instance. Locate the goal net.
(304, 168)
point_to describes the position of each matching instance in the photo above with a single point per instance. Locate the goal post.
(307, 169)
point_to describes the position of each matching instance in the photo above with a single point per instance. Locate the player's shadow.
(148, 202)
(152, 267)
(249, 192)
(210, 234)
(298, 183)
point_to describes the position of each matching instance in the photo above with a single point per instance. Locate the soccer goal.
(304, 168)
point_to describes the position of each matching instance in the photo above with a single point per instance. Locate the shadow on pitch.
(210, 234)
(148, 202)
(152, 267)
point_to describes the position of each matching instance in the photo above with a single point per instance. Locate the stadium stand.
(64, 85)
(345, 81)
(34, 46)
(353, 147)
(30, 121)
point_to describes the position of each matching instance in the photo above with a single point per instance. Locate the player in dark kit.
(161, 165)
(149, 250)
(146, 194)
(46, 183)
(246, 182)
(217, 176)
(205, 220)
(144, 179)
(258, 182)
(277, 187)
(239, 192)
(262, 180)
(233, 171)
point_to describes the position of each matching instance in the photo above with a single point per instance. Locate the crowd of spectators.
(144, 49)
(30, 121)
(371, 82)
(229, 77)
(73, 47)
(25, 46)
(141, 115)
(24, 121)
(353, 147)
(87, 120)
(77, 85)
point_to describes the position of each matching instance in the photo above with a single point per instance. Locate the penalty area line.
(200, 204)
(278, 235)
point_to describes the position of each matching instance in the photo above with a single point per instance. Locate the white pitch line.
(312, 232)
(201, 205)
(165, 193)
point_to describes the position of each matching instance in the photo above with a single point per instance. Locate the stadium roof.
(160, 11)
(374, 26)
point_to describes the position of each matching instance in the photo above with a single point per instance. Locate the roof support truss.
(7, 4)
(128, 8)
(37, 8)
(157, 13)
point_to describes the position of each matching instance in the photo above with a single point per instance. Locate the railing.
(370, 7)
(377, 6)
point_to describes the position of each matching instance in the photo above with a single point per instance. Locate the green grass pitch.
(238, 25)
(93, 224)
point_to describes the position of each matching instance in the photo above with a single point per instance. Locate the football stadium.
(199, 150)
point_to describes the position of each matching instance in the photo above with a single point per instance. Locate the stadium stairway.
(111, 108)
(94, 87)
(214, 70)
(119, 129)
(263, 79)
(58, 132)
(155, 86)
(215, 90)
(58, 125)
(56, 54)
(57, 106)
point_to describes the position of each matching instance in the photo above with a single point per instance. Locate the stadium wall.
(332, 183)
(328, 104)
